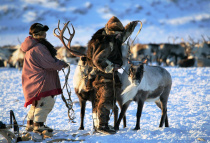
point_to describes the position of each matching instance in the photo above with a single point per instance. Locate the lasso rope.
(138, 31)
(129, 50)
(114, 101)
(68, 102)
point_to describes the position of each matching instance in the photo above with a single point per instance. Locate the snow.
(161, 18)
(189, 101)
(188, 111)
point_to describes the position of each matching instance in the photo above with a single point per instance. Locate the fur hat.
(37, 27)
(113, 26)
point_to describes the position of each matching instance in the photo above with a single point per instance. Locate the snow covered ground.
(188, 111)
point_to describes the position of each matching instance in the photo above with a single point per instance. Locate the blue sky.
(161, 18)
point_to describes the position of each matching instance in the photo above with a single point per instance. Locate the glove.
(65, 65)
(134, 23)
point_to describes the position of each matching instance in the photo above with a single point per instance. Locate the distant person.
(40, 80)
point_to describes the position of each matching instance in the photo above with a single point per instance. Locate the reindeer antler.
(61, 37)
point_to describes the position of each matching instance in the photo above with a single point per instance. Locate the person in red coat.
(40, 80)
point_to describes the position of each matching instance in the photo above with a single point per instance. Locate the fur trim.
(98, 38)
(49, 46)
(114, 25)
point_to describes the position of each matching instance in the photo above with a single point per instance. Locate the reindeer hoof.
(136, 128)
(81, 128)
(116, 128)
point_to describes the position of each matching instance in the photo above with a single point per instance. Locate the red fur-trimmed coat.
(40, 72)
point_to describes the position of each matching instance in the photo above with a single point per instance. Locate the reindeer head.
(136, 71)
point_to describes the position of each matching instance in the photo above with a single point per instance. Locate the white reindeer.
(5, 54)
(17, 57)
(145, 83)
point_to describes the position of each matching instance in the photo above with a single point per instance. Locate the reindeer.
(189, 59)
(170, 51)
(80, 76)
(5, 54)
(17, 57)
(83, 93)
(154, 51)
(145, 83)
(204, 49)
(79, 82)
(201, 52)
(139, 50)
(64, 54)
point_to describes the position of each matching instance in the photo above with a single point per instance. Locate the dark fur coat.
(104, 47)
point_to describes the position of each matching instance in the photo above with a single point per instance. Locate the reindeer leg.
(122, 113)
(138, 115)
(163, 103)
(115, 114)
(163, 117)
(124, 118)
(124, 121)
(82, 113)
(158, 103)
(166, 121)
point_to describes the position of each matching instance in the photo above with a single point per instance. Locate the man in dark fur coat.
(105, 56)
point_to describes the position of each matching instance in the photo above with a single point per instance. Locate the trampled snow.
(188, 111)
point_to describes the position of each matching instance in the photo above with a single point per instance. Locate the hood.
(28, 44)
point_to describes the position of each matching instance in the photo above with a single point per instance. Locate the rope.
(114, 101)
(129, 50)
(138, 31)
(68, 102)
(24, 118)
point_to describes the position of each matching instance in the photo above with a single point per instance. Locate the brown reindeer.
(145, 83)
(169, 51)
(140, 50)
